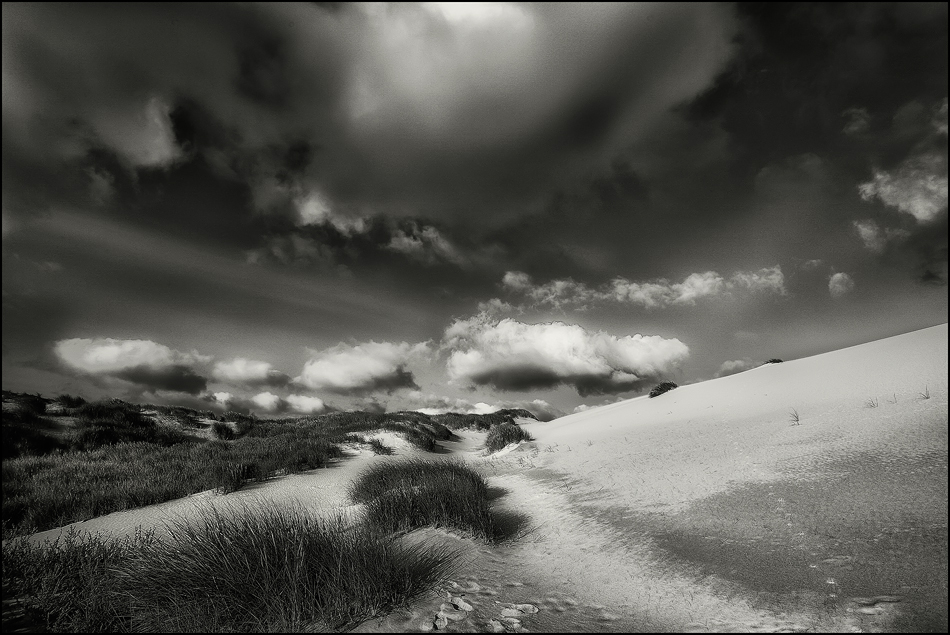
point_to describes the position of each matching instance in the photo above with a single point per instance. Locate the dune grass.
(42, 492)
(501, 435)
(114, 456)
(794, 417)
(410, 494)
(105, 423)
(260, 569)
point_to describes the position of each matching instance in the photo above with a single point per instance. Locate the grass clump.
(661, 388)
(378, 447)
(501, 435)
(774, 360)
(422, 439)
(407, 495)
(261, 569)
(31, 405)
(222, 431)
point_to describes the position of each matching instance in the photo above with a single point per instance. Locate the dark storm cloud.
(399, 109)
(177, 378)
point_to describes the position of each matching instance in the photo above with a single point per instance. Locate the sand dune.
(706, 508)
(664, 507)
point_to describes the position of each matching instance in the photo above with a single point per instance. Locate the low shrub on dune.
(501, 435)
(70, 401)
(664, 387)
(222, 431)
(422, 439)
(407, 495)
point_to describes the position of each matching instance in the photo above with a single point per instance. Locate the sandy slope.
(704, 509)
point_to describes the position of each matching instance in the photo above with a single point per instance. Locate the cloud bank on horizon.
(461, 205)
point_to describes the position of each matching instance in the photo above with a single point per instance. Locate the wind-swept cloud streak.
(654, 294)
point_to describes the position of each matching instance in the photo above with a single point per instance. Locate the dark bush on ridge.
(222, 431)
(23, 435)
(442, 433)
(31, 405)
(113, 412)
(659, 389)
(503, 434)
(774, 360)
(243, 570)
(70, 401)
(424, 440)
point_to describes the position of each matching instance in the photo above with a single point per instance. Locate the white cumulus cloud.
(840, 284)
(267, 401)
(250, 372)
(305, 404)
(734, 366)
(362, 368)
(149, 364)
(511, 355)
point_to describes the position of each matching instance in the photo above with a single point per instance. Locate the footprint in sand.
(872, 605)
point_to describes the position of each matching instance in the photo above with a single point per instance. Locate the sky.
(296, 208)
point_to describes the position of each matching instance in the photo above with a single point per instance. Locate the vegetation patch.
(661, 388)
(42, 492)
(407, 495)
(501, 435)
(80, 460)
(263, 569)
(378, 447)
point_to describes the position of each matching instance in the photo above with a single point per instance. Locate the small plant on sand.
(871, 403)
(793, 417)
(925, 394)
(774, 360)
(503, 434)
(659, 389)
(378, 447)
